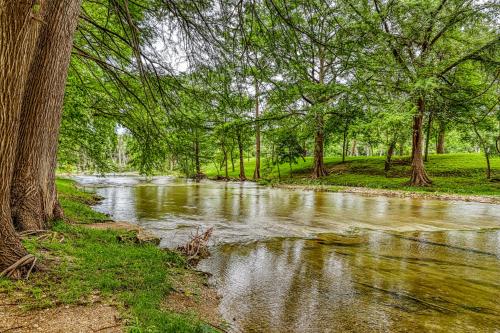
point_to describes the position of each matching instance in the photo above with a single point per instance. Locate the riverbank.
(454, 176)
(389, 193)
(104, 279)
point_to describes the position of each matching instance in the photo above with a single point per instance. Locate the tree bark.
(440, 138)
(242, 157)
(319, 169)
(18, 34)
(427, 137)
(419, 176)
(488, 165)
(256, 174)
(34, 198)
(388, 159)
(354, 148)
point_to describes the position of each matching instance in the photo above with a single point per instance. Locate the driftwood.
(197, 247)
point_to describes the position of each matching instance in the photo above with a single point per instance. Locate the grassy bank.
(451, 173)
(85, 265)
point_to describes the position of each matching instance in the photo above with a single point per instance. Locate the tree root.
(26, 233)
(14, 269)
(45, 234)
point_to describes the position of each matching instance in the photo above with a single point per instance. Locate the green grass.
(135, 277)
(451, 173)
(76, 203)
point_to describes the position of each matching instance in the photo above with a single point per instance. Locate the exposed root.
(26, 233)
(14, 270)
(197, 248)
(200, 176)
(419, 177)
(319, 172)
(44, 235)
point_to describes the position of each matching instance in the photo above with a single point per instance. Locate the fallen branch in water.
(197, 247)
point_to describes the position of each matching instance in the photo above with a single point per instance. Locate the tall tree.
(311, 55)
(34, 199)
(421, 39)
(256, 174)
(19, 24)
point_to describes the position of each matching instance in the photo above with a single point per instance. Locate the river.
(303, 261)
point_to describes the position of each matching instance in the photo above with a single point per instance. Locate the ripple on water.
(343, 262)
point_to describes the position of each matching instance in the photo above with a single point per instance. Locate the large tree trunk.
(428, 137)
(18, 33)
(440, 138)
(488, 165)
(242, 157)
(256, 174)
(34, 197)
(319, 169)
(418, 174)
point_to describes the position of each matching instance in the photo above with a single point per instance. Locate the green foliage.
(288, 150)
(76, 203)
(352, 72)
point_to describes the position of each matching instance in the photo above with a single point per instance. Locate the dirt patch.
(142, 235)
(192, 295)
(79, 319)
(392, 193)
(112, 225)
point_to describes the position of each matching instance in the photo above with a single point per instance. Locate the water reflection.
(244, 212)
(369, 282)
(342, 262)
